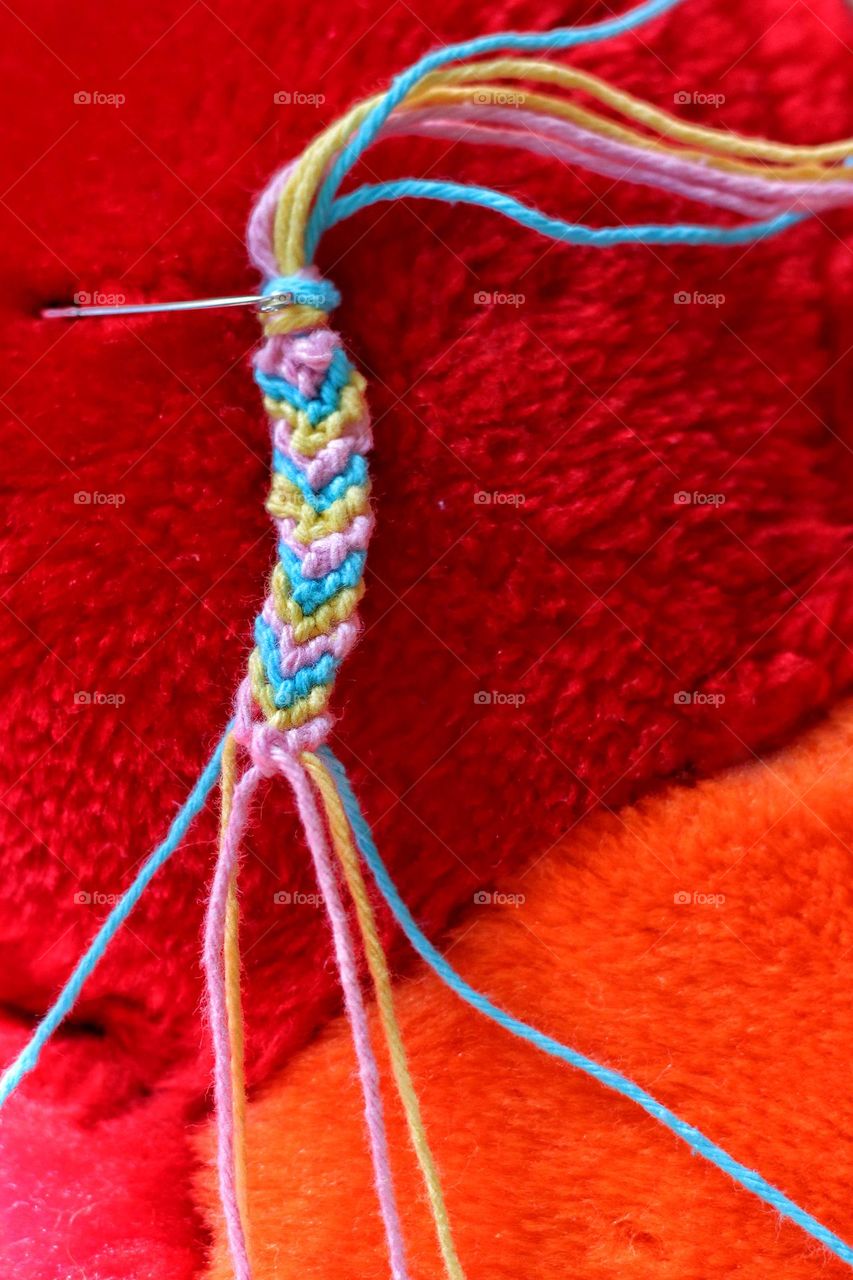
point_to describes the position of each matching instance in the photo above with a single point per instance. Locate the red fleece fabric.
(138, 547)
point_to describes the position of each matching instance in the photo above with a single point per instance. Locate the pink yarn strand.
(748, 194)
(214, 967)
(743, 193)
(347, 967)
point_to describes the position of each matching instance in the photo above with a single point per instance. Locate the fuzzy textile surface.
(136, 543)
(700, 943)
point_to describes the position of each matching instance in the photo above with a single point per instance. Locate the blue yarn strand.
(85, 967)
(304, 292)
(355, 473)
(517, 41)
(556, 228)
(324, 401)
(614, 1080)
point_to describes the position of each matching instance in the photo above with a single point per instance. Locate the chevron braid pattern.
(319, 501)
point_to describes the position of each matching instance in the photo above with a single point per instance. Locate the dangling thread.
(371, 124)
(227, 1074)
(555, 138)
(715, 146)
(561, 38)
(233, 1000)
(695, 1139)
(293, 217)
(342, 844)
(94, 953)
(558, 228)
(348, 970)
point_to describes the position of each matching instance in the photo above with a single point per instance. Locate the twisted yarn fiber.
(319, 501)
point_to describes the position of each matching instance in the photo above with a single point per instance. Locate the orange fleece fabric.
(702, 943)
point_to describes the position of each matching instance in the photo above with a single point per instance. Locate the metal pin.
(265, 303)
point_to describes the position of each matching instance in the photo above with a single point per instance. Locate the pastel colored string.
(236, 807)
(562, 38)
(467, 121)
(348, 969)
(318, 500)
(91, 958)
(473, 114)
(296, 198)
(348, 859)
(556, 228)
(555, 139)
(532, 127)
(614, 1080)
(663, 123)
(233, 1000)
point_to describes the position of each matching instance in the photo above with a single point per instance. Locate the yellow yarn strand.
(294, 204)
(348, 859)
(233, 1000)
(309, 438)
(303, 710)
(547, 104)
(286, 502)
(644, 113)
